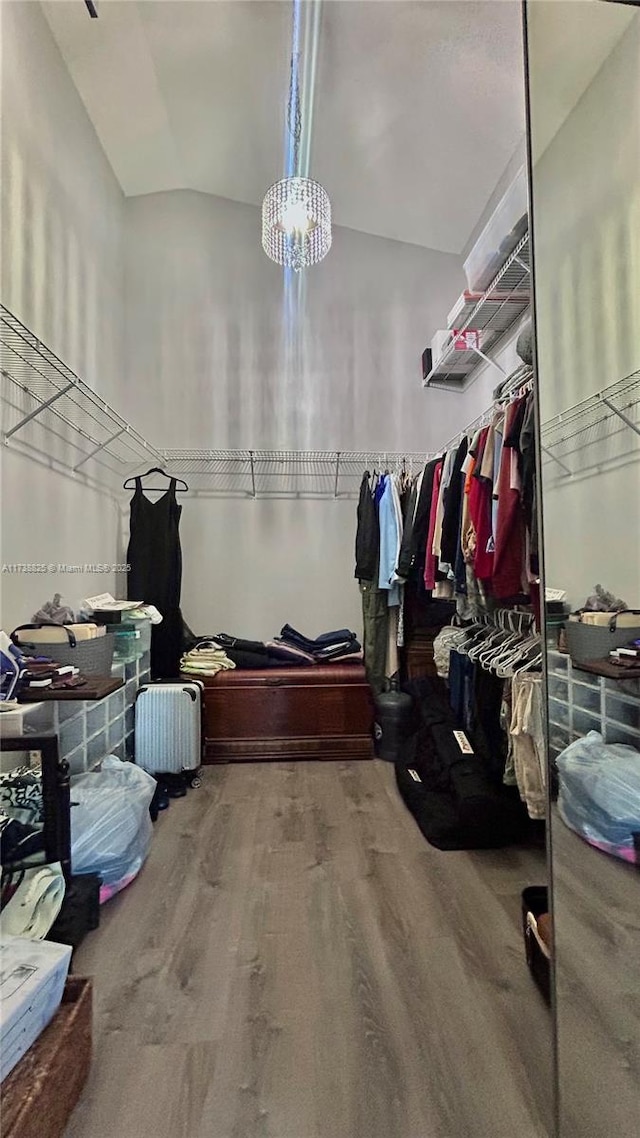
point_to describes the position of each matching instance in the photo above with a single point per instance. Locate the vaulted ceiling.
(419, 104)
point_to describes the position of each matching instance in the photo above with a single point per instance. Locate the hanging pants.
(375, 619)
(529, 755)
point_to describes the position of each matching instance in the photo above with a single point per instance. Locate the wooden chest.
(319, 712)
(419, 659)
(39, 1094)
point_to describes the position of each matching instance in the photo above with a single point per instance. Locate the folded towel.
(205, 661)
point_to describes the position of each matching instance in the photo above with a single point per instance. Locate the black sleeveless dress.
(155, 575)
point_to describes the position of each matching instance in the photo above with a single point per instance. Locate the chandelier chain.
(294, 112)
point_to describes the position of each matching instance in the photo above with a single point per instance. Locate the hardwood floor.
(295, 961)
(597, 939)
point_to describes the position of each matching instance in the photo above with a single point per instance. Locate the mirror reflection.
(584, 89)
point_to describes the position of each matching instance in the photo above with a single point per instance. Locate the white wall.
(215, 357)
(61, 212)
(218, 357)
(586, 196)
(167, 306)
(61, 207)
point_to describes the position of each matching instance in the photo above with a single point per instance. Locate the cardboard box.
(32, 977)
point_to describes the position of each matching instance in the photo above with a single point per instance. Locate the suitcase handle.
(145, 687)
(42, 624)
(275, 682)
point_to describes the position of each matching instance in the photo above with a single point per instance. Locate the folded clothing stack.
(254, 654)
(330, 647)
(291, 649)
(206, 658)
(42, 672)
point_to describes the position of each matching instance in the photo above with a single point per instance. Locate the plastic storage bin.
(132, 638)
(501, 234)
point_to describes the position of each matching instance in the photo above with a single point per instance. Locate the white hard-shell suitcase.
(168, 727)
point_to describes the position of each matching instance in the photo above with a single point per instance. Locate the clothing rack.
(509, 620)
(520, 379)
(285, 473)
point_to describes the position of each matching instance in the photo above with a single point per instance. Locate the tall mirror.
(584, 99)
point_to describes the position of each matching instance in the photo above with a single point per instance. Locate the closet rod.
(506, 619)
(522, 376)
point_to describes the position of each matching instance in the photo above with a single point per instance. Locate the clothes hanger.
(495, 645)
(180, 483)
(508, 667)
(477, 637)
(490, 652)
(529, 665)
(512, 647)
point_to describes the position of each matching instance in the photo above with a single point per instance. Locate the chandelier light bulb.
(296, 223)
(295, 218)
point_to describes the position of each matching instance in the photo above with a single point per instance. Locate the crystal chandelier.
(296, 223)
(296, 211)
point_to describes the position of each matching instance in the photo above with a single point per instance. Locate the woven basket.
(594, 642)
(92, 657)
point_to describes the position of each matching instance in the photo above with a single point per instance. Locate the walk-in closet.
(320, 590)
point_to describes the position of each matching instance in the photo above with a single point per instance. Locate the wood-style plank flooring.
(295, 961)
(597, 941)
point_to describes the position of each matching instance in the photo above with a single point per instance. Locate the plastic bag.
(53, 610)
(111, 826)
(34, 906)
(600, 793)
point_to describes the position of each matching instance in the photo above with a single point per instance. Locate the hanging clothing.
(528, 451)
(367, 533)
(430, 565)
(452, 507)
(375, 620)
(497, 457)
(527, 733)
(405, 560)
(509, 552)
(483, 562)
(445, 478)
(392, 666)
(476, 498)
(155, 575)
(421, 523)
(389, 541)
